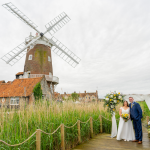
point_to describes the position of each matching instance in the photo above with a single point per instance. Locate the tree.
(75, 96)
(69, 97)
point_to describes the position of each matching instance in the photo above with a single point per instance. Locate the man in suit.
(136, 115)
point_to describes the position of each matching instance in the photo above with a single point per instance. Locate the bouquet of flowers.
(125, 117)
(112, 99)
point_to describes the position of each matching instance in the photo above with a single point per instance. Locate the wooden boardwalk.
(104, 142)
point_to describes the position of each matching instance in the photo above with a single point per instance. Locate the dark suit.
(136, 115)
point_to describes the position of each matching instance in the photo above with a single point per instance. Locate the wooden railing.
(62, 128)
(48, 78)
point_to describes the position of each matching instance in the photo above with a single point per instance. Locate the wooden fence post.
(38, 139)
(62, 137)
(91, 126)
(79, 133)
(101, 127)
(147, 119)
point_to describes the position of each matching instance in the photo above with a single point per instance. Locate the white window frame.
(43, 96)
(49, 58)
(3, 100)
(15, 101)
(80, 98)
(30, 57)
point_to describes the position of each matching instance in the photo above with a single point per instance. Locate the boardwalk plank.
(104, 142)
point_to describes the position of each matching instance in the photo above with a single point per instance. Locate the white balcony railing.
(55, 79)
(48, 78)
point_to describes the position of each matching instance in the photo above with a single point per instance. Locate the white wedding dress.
(125, 129)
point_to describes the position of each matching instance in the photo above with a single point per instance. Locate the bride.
(125, 129)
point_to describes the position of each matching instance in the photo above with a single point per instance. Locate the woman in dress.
(125, 129)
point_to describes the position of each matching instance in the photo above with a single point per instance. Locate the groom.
(136, 115)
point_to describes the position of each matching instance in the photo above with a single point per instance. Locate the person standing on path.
(136, 115)
(125, 128)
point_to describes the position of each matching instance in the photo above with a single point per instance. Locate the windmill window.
(49, 59)
(14, 101)
(30, 57)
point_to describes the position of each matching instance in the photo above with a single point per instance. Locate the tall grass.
(19, 124)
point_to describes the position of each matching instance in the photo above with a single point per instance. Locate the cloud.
(111, 37)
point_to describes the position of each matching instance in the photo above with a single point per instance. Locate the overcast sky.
(112, 38)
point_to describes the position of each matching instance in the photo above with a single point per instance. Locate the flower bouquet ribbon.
(114, 126)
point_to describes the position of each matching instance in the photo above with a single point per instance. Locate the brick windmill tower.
(38, 48)
(38, 58)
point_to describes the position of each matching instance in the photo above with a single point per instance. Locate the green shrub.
(37, 91)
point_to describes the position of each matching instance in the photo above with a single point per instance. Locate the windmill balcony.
(53, 79)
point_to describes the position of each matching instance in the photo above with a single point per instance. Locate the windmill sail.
(12, 53)
(57, 23)
(15, 11)
(52, 27)
(63, 52)
(17, 53)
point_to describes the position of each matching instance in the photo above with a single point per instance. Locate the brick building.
(57, 96)
(88, 97)
(20, 91)
(85, 97)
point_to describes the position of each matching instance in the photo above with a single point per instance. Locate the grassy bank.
(146, 111)
(18, 125)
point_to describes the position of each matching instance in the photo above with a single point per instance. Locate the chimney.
(2, 81)
(74, 91)
(65, 93)
(85, 91)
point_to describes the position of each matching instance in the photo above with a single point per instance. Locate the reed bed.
(16, 125)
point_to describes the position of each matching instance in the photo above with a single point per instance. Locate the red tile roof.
(18, 86)
(63, 95)
(19, 73)
(81, 94)
(86, 94)
(57, 95)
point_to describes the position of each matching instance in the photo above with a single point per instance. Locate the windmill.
(38, 49)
